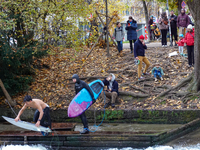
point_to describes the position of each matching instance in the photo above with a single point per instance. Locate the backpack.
(157, 32)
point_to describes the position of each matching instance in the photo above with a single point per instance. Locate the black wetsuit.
(79, 85)
(46, 119)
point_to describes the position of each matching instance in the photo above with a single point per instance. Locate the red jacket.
(189, 40)
(181, 42)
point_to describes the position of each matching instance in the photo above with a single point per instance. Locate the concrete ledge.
(97, 140)
(120, 116)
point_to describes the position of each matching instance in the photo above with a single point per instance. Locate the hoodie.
(79, 85)
(112, 84)
(183, 20)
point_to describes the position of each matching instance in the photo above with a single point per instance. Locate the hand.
(93, 101)
(172, 19)
(129, 25)
(108, 78)
(143, 43)
(110, 90)
(37, 124)
(17, 119)
(162, 20)
(137, 58)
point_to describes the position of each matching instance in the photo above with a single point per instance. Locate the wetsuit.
(79, 85)
(46, 119)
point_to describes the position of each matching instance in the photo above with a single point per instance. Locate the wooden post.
(107, 28)
(12, 103)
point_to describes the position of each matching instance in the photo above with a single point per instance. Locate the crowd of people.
(183, 22)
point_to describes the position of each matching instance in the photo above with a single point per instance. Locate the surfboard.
(27, 125)
(83, 100)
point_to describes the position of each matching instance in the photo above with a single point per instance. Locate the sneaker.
(140, 78)
(44, 133)
(131, 52)
(146, 73)
(161, 78)
(163, 45)
(85, 131)
(156, 79)
(189, 66)
(113, 105)
(106, 105)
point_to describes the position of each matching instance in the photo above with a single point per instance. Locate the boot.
(106, 105)
(85, 131)
(113, 105)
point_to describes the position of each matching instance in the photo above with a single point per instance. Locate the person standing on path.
(173, 24)
(163, 26)
(149, 26)
(182, 22)
(139, 54)
(189, 40)
(79, 85)
(131, 27)
(119, 35)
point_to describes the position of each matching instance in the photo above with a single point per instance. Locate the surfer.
(79, 85)
(41, 114)
(112, 90)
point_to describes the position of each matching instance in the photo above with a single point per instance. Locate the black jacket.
(139, 49)
(79, 85)
(173, 23)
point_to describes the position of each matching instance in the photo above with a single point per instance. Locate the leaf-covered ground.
(53, 81)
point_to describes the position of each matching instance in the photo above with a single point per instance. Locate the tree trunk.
(194, 8)
(146, 17)
(12, 103)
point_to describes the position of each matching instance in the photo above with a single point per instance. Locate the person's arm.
(127, 27)
(20, 112)
(86, 86)
(175, 18)
(178, 22)
(135, 49)
(115, 87)
(161, 71)
(152, 71)
(133, 26)
(39, 108)
(160, 21)
(114, 34)
(188, 20)
(144, 46)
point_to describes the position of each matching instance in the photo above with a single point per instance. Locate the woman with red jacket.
(189, 40)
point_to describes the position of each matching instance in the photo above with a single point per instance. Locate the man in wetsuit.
(79, 85)
(42, 114)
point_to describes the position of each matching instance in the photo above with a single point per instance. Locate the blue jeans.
(157, 73)
(120, 45)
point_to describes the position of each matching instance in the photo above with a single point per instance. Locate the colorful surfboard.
(83, 100)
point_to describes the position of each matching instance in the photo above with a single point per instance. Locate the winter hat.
(189, 26)
(181, 35)
(141, 37)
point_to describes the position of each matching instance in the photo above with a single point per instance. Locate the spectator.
(173, 24)
(157, 71)
(163, 25)
(149, 26)
(112, 90)
(191, 19)
(182, 22)
(139, 53)
(131, 27)
(181, 44)
(119, 35)
(189, 40)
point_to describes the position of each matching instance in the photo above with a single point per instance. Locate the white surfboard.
(27, 125)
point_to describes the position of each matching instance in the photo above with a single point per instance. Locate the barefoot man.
(41, 116)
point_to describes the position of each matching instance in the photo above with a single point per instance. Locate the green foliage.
(17, 64)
